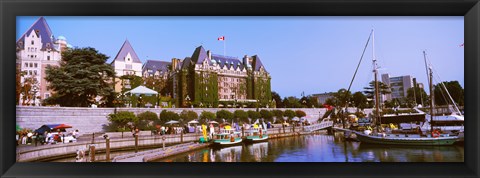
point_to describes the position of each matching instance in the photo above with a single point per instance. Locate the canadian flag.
(221, 38)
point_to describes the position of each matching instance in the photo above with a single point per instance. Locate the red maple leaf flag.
(221, 38)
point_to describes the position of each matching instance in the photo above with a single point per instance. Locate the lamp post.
(188, 100)
(35, 90)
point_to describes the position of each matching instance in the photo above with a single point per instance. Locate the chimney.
(245, 60)
(209, 54)
(174, 64)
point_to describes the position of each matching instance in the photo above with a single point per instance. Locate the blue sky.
(302, 54)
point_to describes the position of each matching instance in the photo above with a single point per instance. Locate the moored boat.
(405, 139)
(256, 134)
(379, 136)
(227, 137)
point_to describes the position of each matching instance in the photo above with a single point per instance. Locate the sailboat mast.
(431, 101)
(375, 71)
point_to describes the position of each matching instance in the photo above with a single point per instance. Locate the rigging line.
(440, 84)
(359, 62)
(441, 91)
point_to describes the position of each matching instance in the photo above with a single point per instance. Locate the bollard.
(243, 132)
(107, 149)
(181, 137)
(136, 143)
(163, 142)
(92, 153)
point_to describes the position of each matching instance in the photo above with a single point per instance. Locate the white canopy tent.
(142, 90)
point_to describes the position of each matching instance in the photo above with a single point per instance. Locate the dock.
(151, 155)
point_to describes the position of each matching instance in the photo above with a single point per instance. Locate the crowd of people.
(48, 137)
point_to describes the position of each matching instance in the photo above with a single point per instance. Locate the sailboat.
(378, 136)
(453, 123)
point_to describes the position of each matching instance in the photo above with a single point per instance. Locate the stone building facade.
(211, 80)
(36, 49)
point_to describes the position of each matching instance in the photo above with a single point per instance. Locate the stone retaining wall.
(89, 120)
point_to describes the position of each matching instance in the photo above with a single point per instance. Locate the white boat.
(227, 137)
(254, 135)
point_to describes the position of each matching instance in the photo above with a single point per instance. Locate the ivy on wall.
(205, 89)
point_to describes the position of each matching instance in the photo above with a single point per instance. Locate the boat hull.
(428, 141)
(226, 142)
(256, 139)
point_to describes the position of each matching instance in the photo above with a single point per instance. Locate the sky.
(302, 54)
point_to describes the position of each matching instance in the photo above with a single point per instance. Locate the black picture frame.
(10, 9)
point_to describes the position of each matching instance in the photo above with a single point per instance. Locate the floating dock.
(151, 155)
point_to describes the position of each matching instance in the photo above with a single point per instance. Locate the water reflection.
(321, 148)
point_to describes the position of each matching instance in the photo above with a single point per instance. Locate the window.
(31, 65)
(47, 95)
(48, 57)
(35, 65)
(34, 72)
(32, 42)
(29, 72)
(26, 64)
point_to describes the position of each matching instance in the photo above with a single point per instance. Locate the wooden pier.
(151, 155)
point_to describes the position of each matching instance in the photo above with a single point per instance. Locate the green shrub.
(122, 119)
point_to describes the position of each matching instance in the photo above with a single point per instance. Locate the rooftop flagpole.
(222, 38)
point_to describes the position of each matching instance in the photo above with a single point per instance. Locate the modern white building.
(398, 85)
(36, 49)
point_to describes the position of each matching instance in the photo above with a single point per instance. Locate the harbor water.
(321, 148)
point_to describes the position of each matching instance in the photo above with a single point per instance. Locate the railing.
(320, 126)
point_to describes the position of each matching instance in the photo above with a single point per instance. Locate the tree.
(278, 99)
(18, 84)
(241, 115)
(206, 115)
(331, 101)
(342, 97)
(166, 116)
(309, 102)
(27, 89)
(145, 119)
(224, 114)
(359, 100)
(267, 115)
(289, 114)
(292, 102)
(122, 119)
(130, 82)
(187, 116)
(370, 90)
(254, 115)
(300, 113)
(278, 114)
(455, 90)
(83, 75)
(417, 94)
